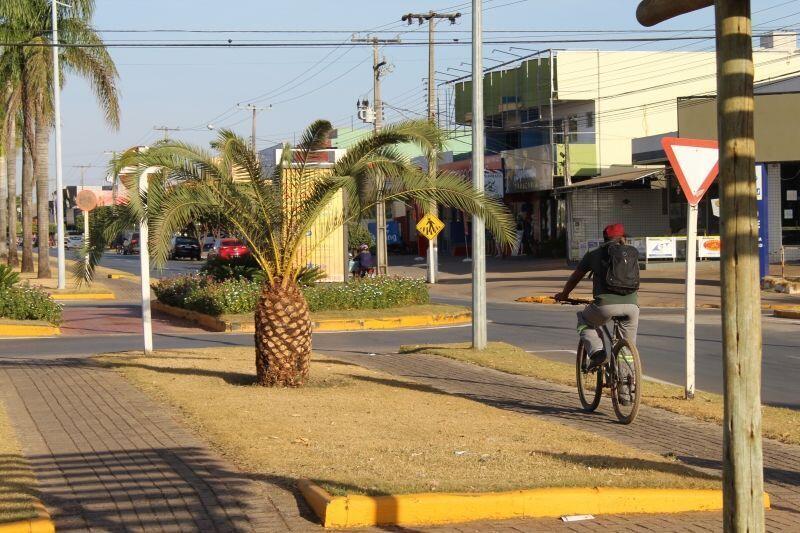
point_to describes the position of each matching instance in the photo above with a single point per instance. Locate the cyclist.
(615, 283)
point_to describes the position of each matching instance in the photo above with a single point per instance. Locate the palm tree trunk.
(27, 210)
(283, 336)
(3, 202)
(42, 172)
(11, 208)
(28, 146)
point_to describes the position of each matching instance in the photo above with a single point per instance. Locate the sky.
(191, 88)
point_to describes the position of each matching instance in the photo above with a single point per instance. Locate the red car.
(228, 249)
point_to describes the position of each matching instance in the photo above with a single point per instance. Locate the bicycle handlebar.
(574, 301)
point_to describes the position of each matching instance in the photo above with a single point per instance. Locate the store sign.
(493, 183)
(763, 219)
(660, 247)
(529, 169)
(709, 247)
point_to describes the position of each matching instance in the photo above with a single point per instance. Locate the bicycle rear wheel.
(590, 384)
(627, 384)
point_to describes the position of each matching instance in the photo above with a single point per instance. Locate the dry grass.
(354, 430)
(414, 310)
(777, 423)
(17, 484)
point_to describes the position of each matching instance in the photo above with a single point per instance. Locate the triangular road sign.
(695, 162)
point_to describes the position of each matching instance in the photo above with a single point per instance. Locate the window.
(573, 129)
(590, 119)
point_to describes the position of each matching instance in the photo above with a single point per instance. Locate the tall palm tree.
(31, 20)
(3, 177)
(273, 213)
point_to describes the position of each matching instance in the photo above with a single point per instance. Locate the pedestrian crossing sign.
(430, 226)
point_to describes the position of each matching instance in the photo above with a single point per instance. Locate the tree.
(30, 22)
(273, 214)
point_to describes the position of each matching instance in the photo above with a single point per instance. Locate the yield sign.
(696, 164)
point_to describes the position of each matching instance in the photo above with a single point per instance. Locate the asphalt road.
(130, 264)
(547, 330)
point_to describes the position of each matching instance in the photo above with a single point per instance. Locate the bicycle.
(623, 369)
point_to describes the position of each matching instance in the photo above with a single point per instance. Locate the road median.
(429, 315)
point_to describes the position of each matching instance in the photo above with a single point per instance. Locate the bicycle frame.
(609, 340)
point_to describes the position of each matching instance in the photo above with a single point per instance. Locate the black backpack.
(622, 268)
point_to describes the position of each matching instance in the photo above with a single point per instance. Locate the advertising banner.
(660, 247)
(708, 247)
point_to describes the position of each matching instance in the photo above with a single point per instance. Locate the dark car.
(185, 247)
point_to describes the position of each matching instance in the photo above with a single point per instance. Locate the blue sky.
(192, 87)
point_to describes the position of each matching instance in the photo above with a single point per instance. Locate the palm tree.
(31, 23)
(273, 214)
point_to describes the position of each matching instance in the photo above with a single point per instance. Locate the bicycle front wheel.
(590, 384)
(626, 386)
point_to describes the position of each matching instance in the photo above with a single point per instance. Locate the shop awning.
(614, 179)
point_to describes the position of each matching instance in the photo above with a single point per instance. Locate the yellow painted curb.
(409, 321)
(41, 524)
(28, 330)
(427, 509)
(64, 296)
(211, 323)
(787, 313)
(122, 276)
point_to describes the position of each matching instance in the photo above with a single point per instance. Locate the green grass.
(777, 423)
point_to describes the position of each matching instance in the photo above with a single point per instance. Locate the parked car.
(184, 247)
(73, 241)
(228, 248)
(131, 245)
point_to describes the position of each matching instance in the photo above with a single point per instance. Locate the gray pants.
(594, 316)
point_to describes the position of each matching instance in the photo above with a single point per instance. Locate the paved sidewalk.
(108, 459)
(695, 443)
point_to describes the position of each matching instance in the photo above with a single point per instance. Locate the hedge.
(237, 296)
(23, 302)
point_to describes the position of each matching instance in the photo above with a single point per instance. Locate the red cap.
(614, 231)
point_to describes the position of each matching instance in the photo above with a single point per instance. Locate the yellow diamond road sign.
(430, 226)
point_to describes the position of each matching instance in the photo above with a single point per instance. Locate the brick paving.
(109, 459)
(118, 319)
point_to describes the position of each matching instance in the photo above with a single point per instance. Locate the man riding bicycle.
(615, 283)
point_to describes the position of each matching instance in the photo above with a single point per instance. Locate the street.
(547, 330)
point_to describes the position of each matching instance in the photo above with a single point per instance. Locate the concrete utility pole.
(743, 475)
(144, 265)
(166, 130)
(478, 232)
(378, 68)
(62, 265)
(255, 109)
(431, 17)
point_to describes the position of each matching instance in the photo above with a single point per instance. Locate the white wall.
(594, 209)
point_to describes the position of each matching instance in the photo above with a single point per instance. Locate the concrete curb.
(548, 300)
(41, 524)
(21, 329)
(444, 508)
(212, 323)
(78, 296)
(787, 313)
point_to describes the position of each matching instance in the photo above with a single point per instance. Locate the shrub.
(238, 296)
(24, 302)
(367, 293)
(8, 277)
(233, 296)
(174, 291)
(220, 269)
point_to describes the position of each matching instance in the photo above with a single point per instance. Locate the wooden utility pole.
(166, 130)
(431, 17)
(378, 68)
(743, 476)
(255, 109)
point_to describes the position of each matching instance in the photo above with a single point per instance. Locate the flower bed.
(237, 296)
(23, 302)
